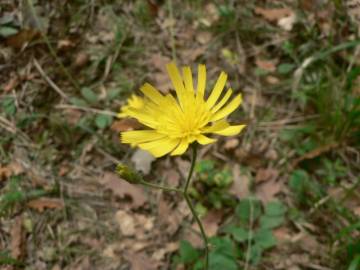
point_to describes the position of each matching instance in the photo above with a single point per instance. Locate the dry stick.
(49, 81)
(173, 49)
(86, 109)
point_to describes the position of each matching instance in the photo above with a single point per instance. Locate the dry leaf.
(126, 223)
(273, 14)
(159, 254)
(211, 222)
(125, 125)
(122, 189)
(231, 143)
(11, 84)
(241, 183)
(266, 65)
(23, 37)
(203, 37)
(46, 203)
(269, 174)
(172, 177)
(18, 239)
(267, 191)
(141, 261)
(142, 160)
(288, 22)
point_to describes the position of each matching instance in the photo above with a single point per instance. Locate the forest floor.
(283, 194)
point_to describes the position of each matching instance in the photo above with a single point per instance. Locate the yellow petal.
(201, 82)
(204, 140)
(181, 148)
(188, 79)
(150, 92)
(231, 130)
(219, 86)
(160, 147)
(219, 125)
(229, 108)
(222, 101)
(140, 136)
(177, 82)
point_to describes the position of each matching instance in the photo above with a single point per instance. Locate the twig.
(49, 81)
(86, 109)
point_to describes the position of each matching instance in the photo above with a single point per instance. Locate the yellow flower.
(176, 123)
(134, 102)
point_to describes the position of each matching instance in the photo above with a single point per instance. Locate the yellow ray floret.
(176, 123)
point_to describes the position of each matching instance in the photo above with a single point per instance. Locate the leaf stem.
(192, 209)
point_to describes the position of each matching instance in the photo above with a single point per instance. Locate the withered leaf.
(46, 203)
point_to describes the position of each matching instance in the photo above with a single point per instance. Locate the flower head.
(175, 123)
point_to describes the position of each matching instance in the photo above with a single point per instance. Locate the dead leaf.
(122, 189)
(125, 125)
(203, 37)
(160, 254)
(65, 44)
(22, 38)
(273, 14)
(142, 160)
(159, 61)
(194, 53)
(141, 261)
(46, 203)
(266, 65)
(267, 191)
(13, 168)
(288, 22)
(211, 222)
(126, 223)
(231, 143)
(240, 187)
(12, 83)
(18, 239)
(269, 174)
(356, 210)
(81, 59)
(172, 177)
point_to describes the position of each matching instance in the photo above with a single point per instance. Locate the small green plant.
(216, 184)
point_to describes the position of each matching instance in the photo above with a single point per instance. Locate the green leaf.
(285, 68)
(89, 95)
(218, 261)
(6, 31)
(298, 180)
(264, 238)
(275, 208)
(188, 253)
(355, 264)
(102, 121)
(270, 222)
(78, 102)
(113, 93)
(255, 253)
(240, 235)
(248, 208)
(8, 105)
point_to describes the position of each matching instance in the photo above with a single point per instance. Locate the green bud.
(128, 174)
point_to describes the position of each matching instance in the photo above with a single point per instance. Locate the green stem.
(143, 182)
(192, 209)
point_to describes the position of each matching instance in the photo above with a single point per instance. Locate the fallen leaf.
(172, 177)
(160, 254)
(125, 125)
(45, 203)
(211, 222)
(64, 44)
(267, 191)
(18, 239)
(126, 223)
(203, 37)
(142, 160)
(12, 83)
(13, 168)
(194, 53)
(231, 143)
(288, 22)
(269, 174)
(273, 14)
(356, 211)
(123, 189)
(240, 187)
(22, 38)
(266, 65)
(141, 261)
(81, 59)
